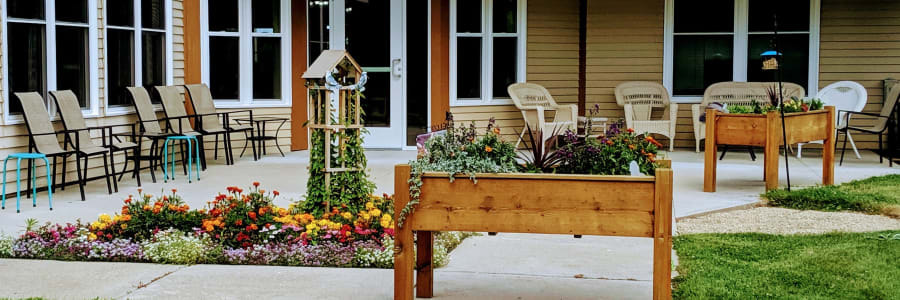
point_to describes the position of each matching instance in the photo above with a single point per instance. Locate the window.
(36, 30)
(137, 47)
(709, 41)
(247, 52)
(487, 50)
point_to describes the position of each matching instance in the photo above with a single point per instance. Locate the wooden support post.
(773, 141)
(662, 234)
(404, 260)
(709, 167)
(828, 152)
(424, 265)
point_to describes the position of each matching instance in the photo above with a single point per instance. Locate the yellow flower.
(105, 218)
(488, 149)
(311, 227)
(370, 205)
(364, 216)
(92, 237)
(95, 225)
(125, 226)
(386, 221)
(376, 212)
(347, 215)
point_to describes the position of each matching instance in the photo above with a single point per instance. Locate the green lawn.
(876, 195)
(754, 266)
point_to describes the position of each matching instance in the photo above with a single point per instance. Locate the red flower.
(174, 191)
(256, 184)
(252, 215)
(239, 222)
(276, 193)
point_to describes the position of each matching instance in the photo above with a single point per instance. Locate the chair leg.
(184, 165)
(843, 148)
(80, 177)
(112, 166)
(3, 202)
(853, 145)
(65, 162)
(106, 172)
(137, 164)
(202, 147)
(254, 142)
(752, 153)
(50, 186)
(880, 153)
(216, 151)
(229, 157)
(124, 168)
(246, 141)
(153, 157)
(724, 150)
(28, 190)
(800, 150)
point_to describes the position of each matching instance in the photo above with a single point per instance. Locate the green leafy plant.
(460, 151)
(540, 158)
(610, 155)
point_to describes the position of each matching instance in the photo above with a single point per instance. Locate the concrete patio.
(507, 266)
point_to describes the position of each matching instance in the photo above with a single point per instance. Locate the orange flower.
(174, 191)
(609, 142)
(630, 130)
(276, 193)
(252, 215)
(239, 222)
(253, 227)
(488, 149)
(146, 207)
(631, 147)
(496, 130)
(256, 184)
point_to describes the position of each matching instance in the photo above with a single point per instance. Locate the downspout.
(582, 56)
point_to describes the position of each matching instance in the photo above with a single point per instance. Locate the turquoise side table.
(192, 144)
(19, 157)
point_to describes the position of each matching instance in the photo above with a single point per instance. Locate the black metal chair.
(882, 120)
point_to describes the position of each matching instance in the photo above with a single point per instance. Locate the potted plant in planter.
(501, 198)
(761, 125)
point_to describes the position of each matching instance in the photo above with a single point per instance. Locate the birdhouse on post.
(335, 82)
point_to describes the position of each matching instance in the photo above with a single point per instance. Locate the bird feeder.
(335, 82)
(770, 60)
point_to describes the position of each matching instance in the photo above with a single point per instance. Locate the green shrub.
(175, 247)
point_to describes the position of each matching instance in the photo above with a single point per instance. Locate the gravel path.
(786, 221)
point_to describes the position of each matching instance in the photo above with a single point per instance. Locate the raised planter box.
(764, 130)
(630, 206)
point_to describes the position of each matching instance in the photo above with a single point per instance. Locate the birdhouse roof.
(327, 61)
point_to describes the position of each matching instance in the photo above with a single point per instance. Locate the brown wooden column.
(440, 60)
(582, 56)
(192, 52)
(299, 93)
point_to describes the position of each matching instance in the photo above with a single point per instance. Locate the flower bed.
(236, 227)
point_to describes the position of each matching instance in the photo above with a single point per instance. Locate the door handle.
(396, 68)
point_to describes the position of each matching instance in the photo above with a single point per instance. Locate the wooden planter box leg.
(424, 266)
(709, 169)
(828, 152)
(662, 235)
(773, 141)
(404, 251)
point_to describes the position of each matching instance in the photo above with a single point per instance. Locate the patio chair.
(73, 120)
(148, 128)
(844, 96)
(881, 122)
(205, 108)
(177, 120)
(639, 98)
(42, 138)
(534, 101)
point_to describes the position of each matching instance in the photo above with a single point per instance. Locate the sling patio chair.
(205, 109)
(177, 120)
(148, 128)
(42, 138)
(881, 122)
(73, 120)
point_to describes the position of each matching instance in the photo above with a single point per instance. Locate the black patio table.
(259, 124)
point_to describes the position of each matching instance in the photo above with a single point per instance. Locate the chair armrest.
(568, 112)
(629, 115)
(862, 113)
(673, 117)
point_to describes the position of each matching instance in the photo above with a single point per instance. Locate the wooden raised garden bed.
(630, 206)
(764, 130)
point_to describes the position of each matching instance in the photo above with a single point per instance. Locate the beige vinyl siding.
(860, 41)
(552, 61)
(624, 43)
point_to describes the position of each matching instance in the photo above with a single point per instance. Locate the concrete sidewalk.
(507, 266)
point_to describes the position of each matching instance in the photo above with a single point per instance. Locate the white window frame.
(487, 36)
(137, 31)
(50, 24)
(741, 42)
(245, 35)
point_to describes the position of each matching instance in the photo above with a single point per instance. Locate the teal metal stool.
(192, 144)
(19, 157)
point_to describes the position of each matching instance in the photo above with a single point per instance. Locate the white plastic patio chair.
(844, 96)
(639, 98)
(534, 101)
